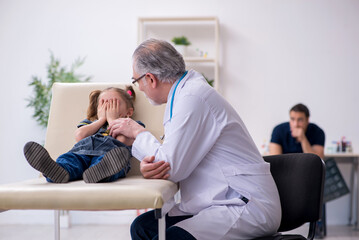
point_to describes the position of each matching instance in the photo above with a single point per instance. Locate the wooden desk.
(353, 159)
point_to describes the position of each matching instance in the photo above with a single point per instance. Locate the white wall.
(274, 54)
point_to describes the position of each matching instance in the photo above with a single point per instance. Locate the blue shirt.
(282, 136)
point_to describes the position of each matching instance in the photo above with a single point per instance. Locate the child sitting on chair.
(97, 156)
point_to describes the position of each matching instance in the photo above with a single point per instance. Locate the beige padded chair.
(68, 108)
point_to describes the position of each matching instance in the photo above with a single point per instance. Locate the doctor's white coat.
(215, 162)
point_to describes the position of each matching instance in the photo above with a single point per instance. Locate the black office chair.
(300, 181)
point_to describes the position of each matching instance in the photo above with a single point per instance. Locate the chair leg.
(351, 193)
(311, 232)
(57, 224)
(161, 224)
(162, 228)
(324, 220)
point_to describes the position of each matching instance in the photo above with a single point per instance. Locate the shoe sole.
(113, 162)
(38, 157)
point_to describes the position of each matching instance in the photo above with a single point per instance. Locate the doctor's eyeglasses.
(135, 80)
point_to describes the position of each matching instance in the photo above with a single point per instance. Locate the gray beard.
(151, 101)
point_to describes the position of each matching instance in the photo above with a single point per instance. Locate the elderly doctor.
(227, 191)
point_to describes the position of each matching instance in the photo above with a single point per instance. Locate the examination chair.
(300, 181)
(68, 108)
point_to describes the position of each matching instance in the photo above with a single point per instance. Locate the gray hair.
(159, 58)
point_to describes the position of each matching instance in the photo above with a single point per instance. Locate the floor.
(333, 232)
(76, 232)
(121, 232)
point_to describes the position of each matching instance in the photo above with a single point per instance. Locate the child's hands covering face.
(113, 110)
(101, 109)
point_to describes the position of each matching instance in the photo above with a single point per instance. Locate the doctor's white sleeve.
(189, 137)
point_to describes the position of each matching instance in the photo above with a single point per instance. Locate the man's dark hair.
(301, 108)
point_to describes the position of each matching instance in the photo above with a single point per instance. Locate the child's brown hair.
(128, 95)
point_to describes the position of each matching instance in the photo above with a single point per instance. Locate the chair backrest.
(69, 106)
(300, 181)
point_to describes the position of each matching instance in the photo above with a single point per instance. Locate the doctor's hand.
(125, 126)
(157, 170)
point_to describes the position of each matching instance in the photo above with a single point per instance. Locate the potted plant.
(210, 82)
(181, 44)
(41, 99)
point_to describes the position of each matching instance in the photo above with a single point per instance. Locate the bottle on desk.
(344, 144)
(339, 147)
(349, 147)
(265, 148)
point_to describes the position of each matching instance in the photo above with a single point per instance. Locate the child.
(96, 157)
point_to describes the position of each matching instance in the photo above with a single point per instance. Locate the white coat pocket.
(247, 179)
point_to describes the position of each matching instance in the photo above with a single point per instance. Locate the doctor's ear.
(153, 81)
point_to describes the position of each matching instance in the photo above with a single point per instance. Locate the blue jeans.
(145, 227)
(75, 164)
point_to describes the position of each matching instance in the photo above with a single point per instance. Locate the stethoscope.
(173, 96)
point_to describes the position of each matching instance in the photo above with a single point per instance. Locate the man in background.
(298, 135)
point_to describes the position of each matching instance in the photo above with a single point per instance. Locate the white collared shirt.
(212, 157)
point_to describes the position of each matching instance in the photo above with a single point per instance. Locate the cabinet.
(203, 33)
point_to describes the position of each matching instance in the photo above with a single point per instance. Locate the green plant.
(41, 99)
(210, 82)
(181, 41)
